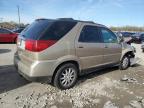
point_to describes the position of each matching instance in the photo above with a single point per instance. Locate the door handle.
(106, 46)
(80, 47)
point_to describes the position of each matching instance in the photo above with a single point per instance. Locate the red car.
(7, 35)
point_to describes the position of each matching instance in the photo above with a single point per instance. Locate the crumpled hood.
(127, 46)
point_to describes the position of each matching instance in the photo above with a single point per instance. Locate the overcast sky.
(107, 12)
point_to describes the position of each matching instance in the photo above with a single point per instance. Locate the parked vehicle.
(60, 50)
(138, 37)
(18, 30)
(7, 35)
(127, 34)
(127, 39)
(142, 38)
(142, 46)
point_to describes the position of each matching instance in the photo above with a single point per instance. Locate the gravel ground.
(108, 88)
(6, 54)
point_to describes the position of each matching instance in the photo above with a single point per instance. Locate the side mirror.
(120, 37)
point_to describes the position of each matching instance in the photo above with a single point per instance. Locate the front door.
(112, 48)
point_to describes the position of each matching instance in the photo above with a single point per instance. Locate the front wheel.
(66, 76)
(125, 63)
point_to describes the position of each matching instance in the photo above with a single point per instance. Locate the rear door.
(89, 47)
(112, 48)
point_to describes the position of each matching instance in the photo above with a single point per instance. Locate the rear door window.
(90, 34)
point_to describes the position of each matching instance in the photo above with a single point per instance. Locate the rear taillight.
(38, 45)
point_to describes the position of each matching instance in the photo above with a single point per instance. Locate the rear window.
(57, 30)
(48, 29)
(34, 30)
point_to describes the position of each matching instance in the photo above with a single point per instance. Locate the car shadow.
(7, 43)
(96, 73)
(4, 51)
(10, 79)
(136, 65)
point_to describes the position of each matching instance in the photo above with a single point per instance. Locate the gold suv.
(60, 50)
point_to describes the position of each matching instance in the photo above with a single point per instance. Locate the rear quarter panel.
(65, 46)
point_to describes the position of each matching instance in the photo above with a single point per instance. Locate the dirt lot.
(108, 88)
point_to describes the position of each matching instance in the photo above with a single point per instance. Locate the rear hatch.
(40, 35)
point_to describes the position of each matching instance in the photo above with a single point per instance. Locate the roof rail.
(71, 19)
(40, 19)
(87, 21)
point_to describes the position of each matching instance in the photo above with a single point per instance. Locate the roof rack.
(87, 21)
(40, 19)
(69, 19)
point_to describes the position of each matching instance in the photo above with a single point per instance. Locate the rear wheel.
(66, 76)
(125, 62)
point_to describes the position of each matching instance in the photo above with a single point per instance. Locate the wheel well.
(73, 62)
(130, 54)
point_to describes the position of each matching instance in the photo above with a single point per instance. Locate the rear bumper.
(36, 71)
(47, 79)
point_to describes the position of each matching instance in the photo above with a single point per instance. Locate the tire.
(125, 62)
(62, 81)
(142, 50)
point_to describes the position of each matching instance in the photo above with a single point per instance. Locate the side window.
(3, 31)
(108, 36)
(90, 34)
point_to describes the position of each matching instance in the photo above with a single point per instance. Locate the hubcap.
(67, 76)
(125, 62)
